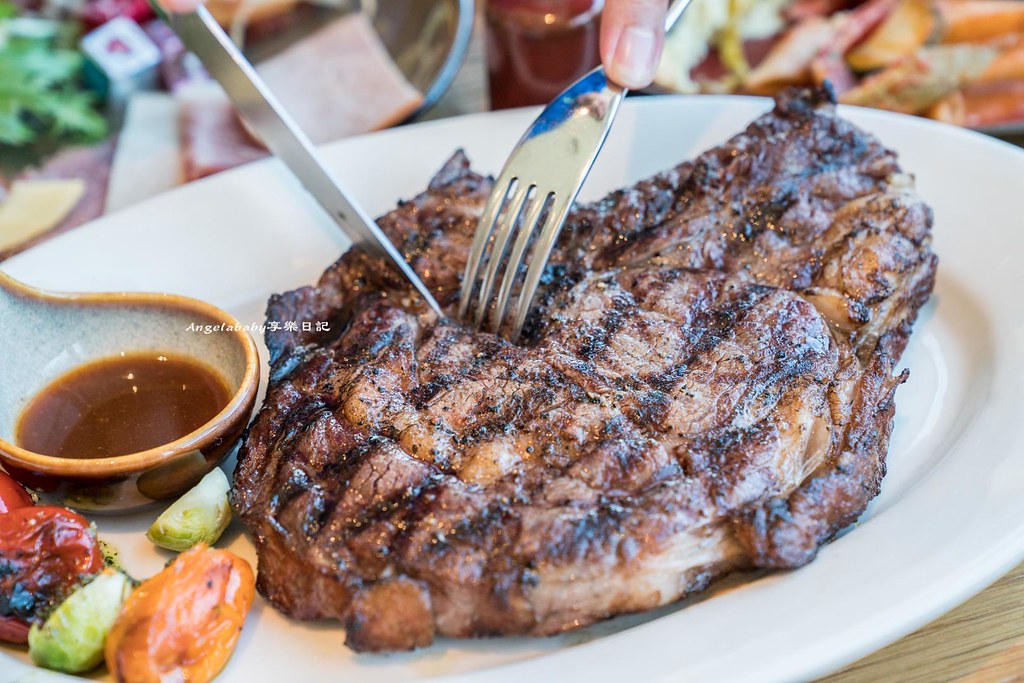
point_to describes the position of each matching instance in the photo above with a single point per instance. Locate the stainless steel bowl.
(427, 39)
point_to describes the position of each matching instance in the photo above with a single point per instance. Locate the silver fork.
(542, 176)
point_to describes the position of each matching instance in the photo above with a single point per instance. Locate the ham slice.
(212, 137)
(340, 81)
(337, 82)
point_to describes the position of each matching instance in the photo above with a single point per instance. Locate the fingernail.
(635, 57)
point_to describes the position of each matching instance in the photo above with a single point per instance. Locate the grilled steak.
(707, 385)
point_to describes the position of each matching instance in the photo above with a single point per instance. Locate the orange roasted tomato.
(12, 494)
(45, 552)
(182, 624)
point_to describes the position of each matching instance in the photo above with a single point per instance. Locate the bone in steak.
(706, 386)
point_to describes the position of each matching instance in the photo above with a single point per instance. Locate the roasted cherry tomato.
(182, 624)
(12, 494)
(13, 630)
(45, 552)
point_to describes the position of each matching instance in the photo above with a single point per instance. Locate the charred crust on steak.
(706, 385)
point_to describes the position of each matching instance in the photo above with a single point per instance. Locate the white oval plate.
(950, 518)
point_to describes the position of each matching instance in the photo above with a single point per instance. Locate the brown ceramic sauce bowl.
(45, 335)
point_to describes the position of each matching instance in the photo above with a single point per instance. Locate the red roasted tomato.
(12, 495)
(44, 553)
(13, 630)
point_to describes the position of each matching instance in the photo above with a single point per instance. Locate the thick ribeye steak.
(706, 385)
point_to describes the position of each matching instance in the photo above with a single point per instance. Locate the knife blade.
(202, 35)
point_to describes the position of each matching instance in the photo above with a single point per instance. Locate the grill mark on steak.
(705, 385)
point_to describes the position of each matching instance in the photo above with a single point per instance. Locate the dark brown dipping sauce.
(120, 405)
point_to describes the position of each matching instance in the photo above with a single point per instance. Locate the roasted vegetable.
(45, 552)
(950, 109)
(730, 43)
(199, 516)
(12, 494)
(1009, 65)
(72, 638)
(183, 623)
(687, 44)
(789, 62)
(724, 24)
(917, 82)
(13, 630)
(993, 104)
(851, 28)
(967, 21)
(906, 29)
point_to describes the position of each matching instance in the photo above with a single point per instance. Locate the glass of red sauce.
(535, 48)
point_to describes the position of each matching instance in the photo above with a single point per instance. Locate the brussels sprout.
(199, 516)
(71, 639)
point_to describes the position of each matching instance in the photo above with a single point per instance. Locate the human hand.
(632, 35)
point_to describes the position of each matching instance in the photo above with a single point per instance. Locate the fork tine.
(481, 237)
(515, 259)
(557, 151)
(503, 230)
(538, 259)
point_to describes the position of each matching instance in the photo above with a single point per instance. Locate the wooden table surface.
(981, 641)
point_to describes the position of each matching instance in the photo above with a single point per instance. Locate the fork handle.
(675, 11)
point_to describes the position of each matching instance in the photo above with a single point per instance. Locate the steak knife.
(202, 35)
